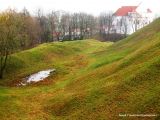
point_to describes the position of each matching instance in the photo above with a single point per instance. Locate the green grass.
(93, 80)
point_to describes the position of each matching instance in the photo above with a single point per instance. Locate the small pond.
(36, 77)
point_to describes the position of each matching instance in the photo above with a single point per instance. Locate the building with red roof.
(124, 10)
(131, 18)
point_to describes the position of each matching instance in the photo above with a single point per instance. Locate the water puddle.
(37, 77)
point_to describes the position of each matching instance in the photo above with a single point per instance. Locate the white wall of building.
(133, 20)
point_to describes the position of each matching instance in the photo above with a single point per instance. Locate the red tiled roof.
(123, 11)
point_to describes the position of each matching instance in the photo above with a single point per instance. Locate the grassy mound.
(94, 80)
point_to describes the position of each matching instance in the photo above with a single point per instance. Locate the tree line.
(21, 30)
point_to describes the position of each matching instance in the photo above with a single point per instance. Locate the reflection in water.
(37, 76)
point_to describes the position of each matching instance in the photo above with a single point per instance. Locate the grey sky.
(89, 6)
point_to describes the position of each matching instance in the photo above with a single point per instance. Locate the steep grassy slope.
(94, 80)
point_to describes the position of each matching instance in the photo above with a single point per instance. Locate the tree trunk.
(3, 65)
(70, 33)
(1, 74)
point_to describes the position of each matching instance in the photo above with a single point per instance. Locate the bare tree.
(65, 25)
(39, 16)
(135, 21)
(81, 24)
(52, 20)
(106, 23)
(91, 25)
(124, 25)
(8, 37)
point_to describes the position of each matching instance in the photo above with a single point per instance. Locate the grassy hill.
(93, 80)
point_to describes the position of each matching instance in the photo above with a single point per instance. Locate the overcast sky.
(89, 6)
